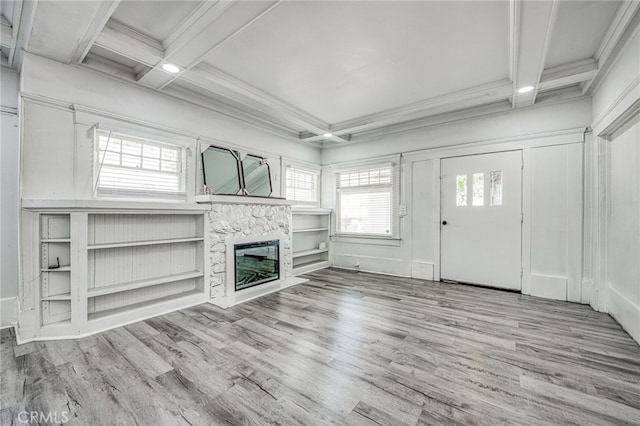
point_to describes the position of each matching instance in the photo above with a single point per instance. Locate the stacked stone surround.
(227, 221)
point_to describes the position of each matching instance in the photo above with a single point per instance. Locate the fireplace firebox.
(256, 263)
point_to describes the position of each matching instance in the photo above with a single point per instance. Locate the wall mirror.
(221, 171)
(257, 176)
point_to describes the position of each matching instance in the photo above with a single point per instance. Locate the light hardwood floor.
(344, 348)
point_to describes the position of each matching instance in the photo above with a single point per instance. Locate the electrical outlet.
(403, 210)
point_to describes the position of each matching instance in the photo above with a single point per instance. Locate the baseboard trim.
(625, 312)
(422, 270)
(549, 287)
(8, 312)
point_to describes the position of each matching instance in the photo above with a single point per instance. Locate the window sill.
(367, 239)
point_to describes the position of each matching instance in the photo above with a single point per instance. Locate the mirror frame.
(236, 155)
(244, 188)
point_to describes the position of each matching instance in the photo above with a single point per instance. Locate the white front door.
(481, 219)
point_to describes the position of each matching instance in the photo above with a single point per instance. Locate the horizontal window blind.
(302, 186)
(365, 201)
(128, 166)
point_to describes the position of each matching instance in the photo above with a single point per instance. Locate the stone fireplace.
(231, 224)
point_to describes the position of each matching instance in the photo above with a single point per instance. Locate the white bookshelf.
(310, 233)
(55, 269)
(99, 269)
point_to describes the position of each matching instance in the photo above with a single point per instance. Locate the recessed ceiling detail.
(332, 72)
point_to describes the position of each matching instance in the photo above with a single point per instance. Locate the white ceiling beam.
(480, 95)
(101, 15)
(514, 43)
(625, 13)
(6, 34)
(128, 43)
(553, 19)
(537, 21)
(120, 39)
(216, 81)
(24, 14)
(567, 75)
(64, 32)
(210, 31)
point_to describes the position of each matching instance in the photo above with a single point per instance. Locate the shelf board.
(60, 269)
(128, 308)
(310, 230)
(309, 252)
(143, 243)
(55, 240)
(102, 291)
(310, 266)
(311, 210)
(64, 296)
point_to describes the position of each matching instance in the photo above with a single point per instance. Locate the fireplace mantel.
(242, 199)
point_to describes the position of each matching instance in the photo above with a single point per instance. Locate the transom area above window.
(365, 177)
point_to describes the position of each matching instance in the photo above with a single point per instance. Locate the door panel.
(481, 219)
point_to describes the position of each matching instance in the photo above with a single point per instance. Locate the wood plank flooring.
(345, 348)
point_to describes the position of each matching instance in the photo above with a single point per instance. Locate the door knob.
(444, 222)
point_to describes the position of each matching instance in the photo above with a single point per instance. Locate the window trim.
(144, 195)
(395, 198)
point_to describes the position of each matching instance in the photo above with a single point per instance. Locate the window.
(478, 189)
(366, 202)
(129, 166)
(302, 186)
(496, 188)
(461, 190)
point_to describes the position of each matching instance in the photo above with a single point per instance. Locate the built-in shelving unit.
(55, 268)
(310, 234)
(102, 268)
(137, 259)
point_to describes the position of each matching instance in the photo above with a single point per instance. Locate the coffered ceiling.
(352, 69)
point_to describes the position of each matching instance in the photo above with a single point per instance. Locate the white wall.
(623, 228)
(614, 212)
(553, 177)
(62, 102)
(552, 194)
(8, 197)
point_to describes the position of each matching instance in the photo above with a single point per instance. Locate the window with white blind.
(133, 167)
(302, 186)
(365, 202)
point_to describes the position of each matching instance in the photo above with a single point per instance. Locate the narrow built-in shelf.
(309, 252)
(64, 296)
(132, 285)
(132, 307)
(310, 230)
(314, 265)
(56, 240)
(142, 243)
(60, 269)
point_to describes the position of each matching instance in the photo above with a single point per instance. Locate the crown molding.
(614, 41)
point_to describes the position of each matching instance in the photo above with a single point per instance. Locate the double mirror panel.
(226, 174)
